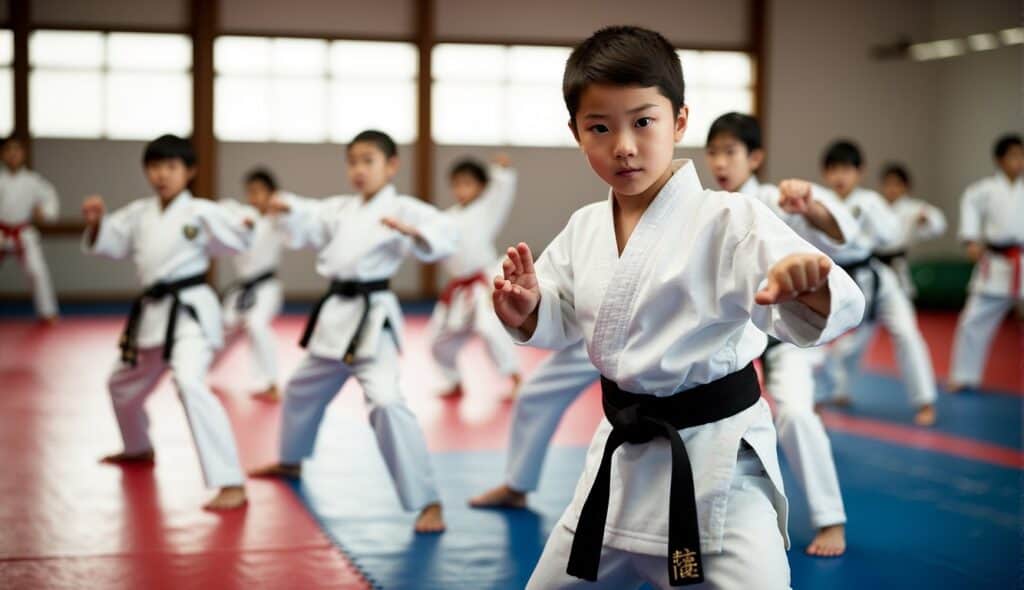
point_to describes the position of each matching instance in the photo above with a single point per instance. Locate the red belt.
(12, 232)
(456, 285)
(1013, 254)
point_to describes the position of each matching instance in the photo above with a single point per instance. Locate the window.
(114, 85)
(6, 83)
(512, 95)
(313, 90)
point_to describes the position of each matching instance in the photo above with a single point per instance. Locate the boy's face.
(893, 187)
(13, 154)
(466, 187)
(258, 194)
(169, 177)
(730, 162)
(369, 170)
(842, 178)
(628, 135)
(1012, 162)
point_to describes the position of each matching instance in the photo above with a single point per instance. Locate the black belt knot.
(348, 289)
(129, 337)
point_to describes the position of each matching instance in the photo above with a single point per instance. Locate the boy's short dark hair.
(262, 175)
(380, 139)
(1004, 143)
(623, 56)
(471, 167)
(842, 152)
(15, 137)
(742, 127)
(169, 147)
(897, 170)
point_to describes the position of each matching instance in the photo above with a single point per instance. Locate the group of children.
(665, 292)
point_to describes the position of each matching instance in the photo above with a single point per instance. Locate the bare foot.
(50, 320)
(454, 391)
(228, 498)
(841, 400)
(430, 520)
(959, 387)
(270, 394)
(280, 470)
(129, 458)
(517, 382)
(499, 497)
(925, 416)
(829, 542)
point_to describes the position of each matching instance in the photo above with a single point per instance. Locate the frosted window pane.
(242, 109)
(151, 52)
(241, 55)
(466, 113)
(537, 64)
(6, 101)
(298, 57)
(135, 111)
(469, 62)
(6, 47)
(374, 60)
(66, 49)
(537, 116)
(54, 115)
(706, 105)
(726, 69)
(390, 107)
(299, 109)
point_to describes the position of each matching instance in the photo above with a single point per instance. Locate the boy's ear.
(575, 133)
(756, 158)
(682, 117)
(392, 165)
(192, 172)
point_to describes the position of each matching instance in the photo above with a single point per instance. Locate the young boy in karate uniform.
(992, 227)
(671, 287)
(176, 323)
(26, 200)
(355, 329)
(484, 200)
(887, 302)
(255, 299)
(919, 221)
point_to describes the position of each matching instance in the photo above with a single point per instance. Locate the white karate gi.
(470, 310)
(21, 193)
(267, 296)
(879, 229)
(353, 244)
(167, 245)
(912, 231)
(992, 212)
(674, 311)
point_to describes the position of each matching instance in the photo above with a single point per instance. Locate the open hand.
(517, 293)
(400, 227)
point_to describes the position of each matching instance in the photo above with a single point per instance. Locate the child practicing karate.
(484, 199)
(992, 227)
(175, 324)
(888, 304)
(355, 329)
(672, 288)
(27, 200)
(255, 299)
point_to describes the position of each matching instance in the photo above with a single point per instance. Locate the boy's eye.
(599, 128)
(644, 122)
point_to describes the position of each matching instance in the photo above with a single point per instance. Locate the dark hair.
(471, 167)
(262, 175)
(15, 137)
(897, 170)
(743, 127)
(1004, 143)
(381, 140)
(623, 56)
(169, 147)
(842, 152)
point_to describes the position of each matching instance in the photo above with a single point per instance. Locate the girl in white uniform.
(26, 200)
(670, 286)
(176, 323)
(887, 302)
(464, 309)
(355, 330)
(992, 227)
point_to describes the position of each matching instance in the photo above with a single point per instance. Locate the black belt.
(1003, 249)
(247, 289)
(851, 268)
(129, 337)
(888, 259)
(639, 419)
(766, 365)
(346, 289)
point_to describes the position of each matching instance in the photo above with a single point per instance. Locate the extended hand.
(517, 293)
(795, 276)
